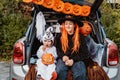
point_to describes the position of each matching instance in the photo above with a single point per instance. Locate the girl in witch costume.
(47, 58)
(71, 49)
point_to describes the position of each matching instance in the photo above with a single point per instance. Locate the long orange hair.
(75, 39)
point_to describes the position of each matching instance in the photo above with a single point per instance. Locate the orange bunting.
(86, 29)
(27, 1)
(59, 6)
(85, 10)
(68, 8)
(77, 10)
(40, 2)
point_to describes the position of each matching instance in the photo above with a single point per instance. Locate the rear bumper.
(17, 71)
(112, 72)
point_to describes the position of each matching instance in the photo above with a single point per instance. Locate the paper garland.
(64, 7)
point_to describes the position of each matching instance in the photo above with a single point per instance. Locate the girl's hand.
(65, 58)
(44, 47)
(69, 62)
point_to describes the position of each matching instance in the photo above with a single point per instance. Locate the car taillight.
(112, 55)
(18, 55)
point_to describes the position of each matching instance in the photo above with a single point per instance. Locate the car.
(24, 52)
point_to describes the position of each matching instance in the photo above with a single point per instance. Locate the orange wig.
(75, 39)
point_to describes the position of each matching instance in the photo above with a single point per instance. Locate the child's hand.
(65, 58)
(44, 47)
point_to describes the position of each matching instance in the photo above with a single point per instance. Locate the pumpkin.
(40, 2)
(27, 1)
(77, 10)
(58, 6)
(47, 59)
(68, 8)
(86, 29)
(48, 3)
(85, 10)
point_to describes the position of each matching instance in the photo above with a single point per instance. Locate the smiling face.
(69, 26)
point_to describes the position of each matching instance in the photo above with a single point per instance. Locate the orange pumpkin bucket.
(68, 8)
(58, 6)
(47, 59)
(85, 10)
(27, 1)
(48, 3)
(77, 10)
(86, 29)
(40, 2)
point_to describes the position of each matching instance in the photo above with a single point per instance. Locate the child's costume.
(46, 62)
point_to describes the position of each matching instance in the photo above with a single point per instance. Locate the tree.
(13, 23)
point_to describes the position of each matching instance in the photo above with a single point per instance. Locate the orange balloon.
(68, 8)
(27, 1)
(59, 6)
(86, 29)
(40, 2)
(85, 10)
(77, 10)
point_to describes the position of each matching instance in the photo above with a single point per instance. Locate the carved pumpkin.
(77, 10)
(47, 58)
(85, 10)
(58, 6)
(85, 29)
(40, 2)
(27, 1)
(68, 8)
(48, 3)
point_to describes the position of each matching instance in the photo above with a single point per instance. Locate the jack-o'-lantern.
(68, 8)
(77, 10)
(58, 6)
(85, 10)
(40, 2)
(47, 59)
(27, 1)
(86, 29)
(48, 3)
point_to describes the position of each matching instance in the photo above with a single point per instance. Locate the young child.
(47, 58)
